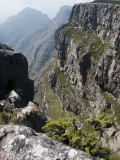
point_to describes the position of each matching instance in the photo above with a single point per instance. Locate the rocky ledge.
(22, 143)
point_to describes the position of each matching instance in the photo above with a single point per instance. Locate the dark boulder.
(14, 74)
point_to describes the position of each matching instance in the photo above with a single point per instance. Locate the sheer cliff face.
(14, 74)
(85, 78)
(102, 19)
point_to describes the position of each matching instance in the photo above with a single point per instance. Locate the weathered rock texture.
(14, 74)
(22, 143)
(85, 80)
(30, 116)
(12, 113)
(104, 20)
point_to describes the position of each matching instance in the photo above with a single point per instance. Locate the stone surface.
(103, 20)
(31, 116)
(22, 143)
(12, 113)
(14, 74)
(108, 73)
(11, 102)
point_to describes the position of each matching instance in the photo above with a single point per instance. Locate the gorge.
(77, 93)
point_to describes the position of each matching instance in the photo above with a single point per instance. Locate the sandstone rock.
(108, 73)
(14, 114)
(102, 19)
(22, 143)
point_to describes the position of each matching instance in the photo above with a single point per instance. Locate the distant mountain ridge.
(26, 21)
(32, 33)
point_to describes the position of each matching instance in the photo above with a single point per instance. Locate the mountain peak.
(65, 7)
(29, 10)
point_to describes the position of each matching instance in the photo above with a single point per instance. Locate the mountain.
(32, 33)
(28, 21)
(41, 47)
(80, 90)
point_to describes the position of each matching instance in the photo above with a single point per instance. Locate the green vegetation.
(103, 118)
(88, 43)
(85, 139)
(5, 117)
(105, 115)
(115, 157)
(63, 79)
(65, 90)
(53, 108)
(115, 106)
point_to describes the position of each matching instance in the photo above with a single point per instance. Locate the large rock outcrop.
(14, 75)
(22, 143)
(16, 90)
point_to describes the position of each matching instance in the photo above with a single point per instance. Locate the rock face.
(16, 90)
(23, 143)
(103, 19)
(30, 116)
(85, 78)
(14, 75)
(108, 73)
(12, 113)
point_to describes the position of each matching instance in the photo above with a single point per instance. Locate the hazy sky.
(50, 7)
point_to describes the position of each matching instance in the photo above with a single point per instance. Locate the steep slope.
(28, 21)
(84, 80)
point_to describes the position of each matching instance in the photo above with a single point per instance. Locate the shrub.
(66, 131)
(114, 157)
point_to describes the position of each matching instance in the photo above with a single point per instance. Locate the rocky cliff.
(84, 81)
